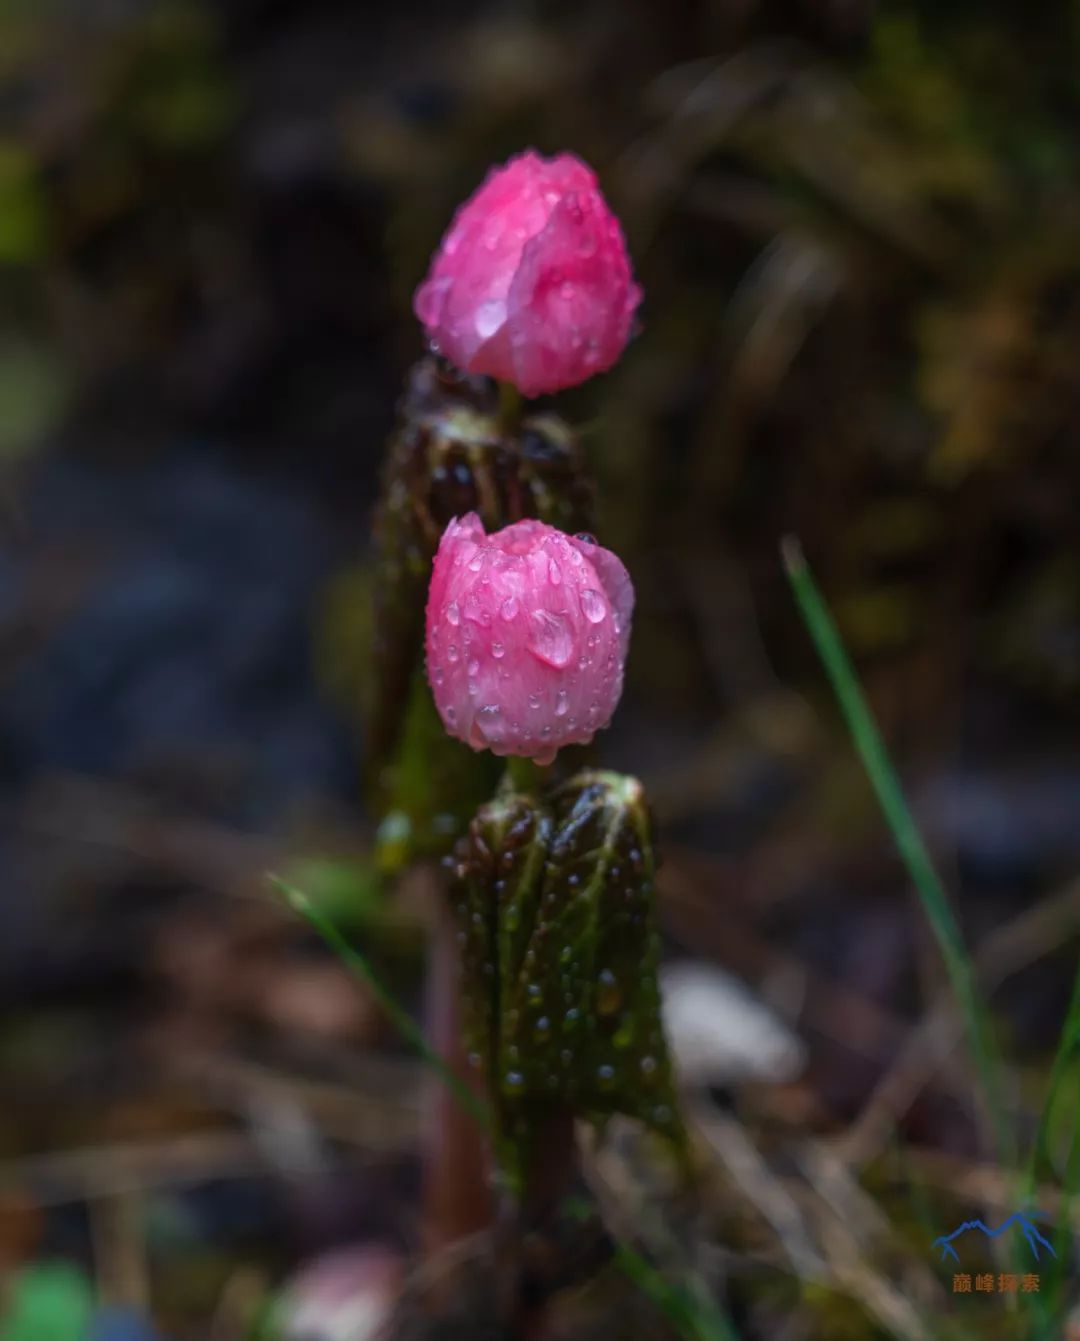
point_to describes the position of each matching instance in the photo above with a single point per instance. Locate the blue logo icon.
(1028, 1228)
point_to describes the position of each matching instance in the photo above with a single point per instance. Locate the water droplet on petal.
(474, 668)
(509, 607)
(585, 537)
(561, 703)
(452, 652)
(489, 724)
(534, 700)
(489, 317)
(453, 614)
(554, 573)
(593, 605)
(476, 562)
(451, 714)
(497, 650)
(550, 638)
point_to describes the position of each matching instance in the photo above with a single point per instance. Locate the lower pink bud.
(527, 634)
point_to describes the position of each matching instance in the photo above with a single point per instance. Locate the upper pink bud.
(532, 283)
(527, 634)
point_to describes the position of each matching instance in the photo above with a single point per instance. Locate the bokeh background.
(856, 226)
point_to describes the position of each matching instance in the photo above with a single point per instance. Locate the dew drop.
(489, 317)
(476, 562)
(608, 993)
(550, 639)
(473, 668)
(561, 703)
(605, 1074)
(452, 652)
(498, 651)
(571, 1018)
(488, 724)
(451, 714)
(439, 677)
(593, 605)
(533, 991)
(554, 573)
(586, 538)
(543, 1025)
(453, 613)
(509, 607)
(514, 1082)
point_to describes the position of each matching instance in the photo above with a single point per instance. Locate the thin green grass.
(1062, 1071)
(395, 1013)
(931, 892)
(697, 1318)
(908, 840)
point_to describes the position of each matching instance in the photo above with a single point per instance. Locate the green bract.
(557, 927)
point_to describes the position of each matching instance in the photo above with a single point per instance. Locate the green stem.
(522, 775)
(511, 409)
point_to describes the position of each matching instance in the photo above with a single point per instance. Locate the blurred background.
(856, 226)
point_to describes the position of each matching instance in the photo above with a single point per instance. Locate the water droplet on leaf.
(608, 993)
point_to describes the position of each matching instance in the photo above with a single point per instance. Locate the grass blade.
(395, 1013)
(875, 759)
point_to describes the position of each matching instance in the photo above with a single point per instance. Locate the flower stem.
(522, 775)
(511, 409)
(457, 1176)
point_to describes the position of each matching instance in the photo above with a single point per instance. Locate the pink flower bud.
(532, 283)
(527, 634)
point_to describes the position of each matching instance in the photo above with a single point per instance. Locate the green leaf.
(555, 899)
